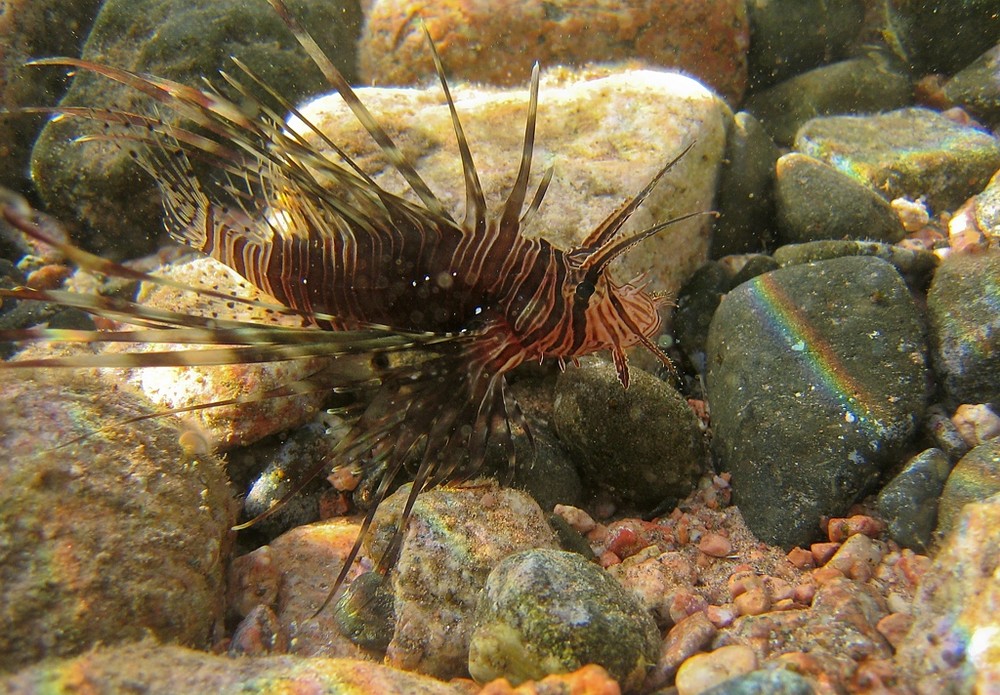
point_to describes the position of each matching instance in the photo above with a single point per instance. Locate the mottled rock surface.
(834, 349)
(641, 444)
(106, 538)
(954, 644)
(454, 538)
(165, 670)
(965, 327)
(705, 39)
(910, 152)
(550, 611)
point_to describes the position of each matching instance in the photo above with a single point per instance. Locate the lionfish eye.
(585, 290)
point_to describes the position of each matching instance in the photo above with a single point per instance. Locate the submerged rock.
(975, 478)
(833, 349)
(643, 444)
(954, 644)
(911, 152)
(454, 538)
(965, 327)
(164, 670)
(107, 538)
(550, 611)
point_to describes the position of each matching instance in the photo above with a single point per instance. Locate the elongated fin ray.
(609, 228)
(475, 202)
(361, 112)
(518, 192)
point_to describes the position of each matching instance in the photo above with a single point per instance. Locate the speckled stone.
(941, 37)
(815, 201)
(837, 629)
(954, 644)
(549, 611)
(835, 349)
(105, 539)
(97, 183)
(26, 32)
(605, 133)
(777, 681)
(455, 537)
(965, 327)
(705, 671)
(860, 85)
(909, 501)
(745, 202)
(916, 266)
(642, 444)
(167, 670)
(911, 152)
(497, 42)
(976, 88)
(791, 36)
(974, 478)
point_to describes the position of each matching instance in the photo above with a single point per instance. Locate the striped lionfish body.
(368, 271)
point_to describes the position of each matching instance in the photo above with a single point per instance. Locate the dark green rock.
(965, 327)
(816, 381)
(551, 611)
(184, 40)
(364, 613)
(977, 87)
(642, 444)
(909, 502)
(791, 36)
(860, 85)
(911, 152)
(935, 36)
(744, 200)
(975, 478)
(696, 302)
(916, 266)
(816, 201)
(25, 34)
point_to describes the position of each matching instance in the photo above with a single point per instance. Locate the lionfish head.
(609, 316)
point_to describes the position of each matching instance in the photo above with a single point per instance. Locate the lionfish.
(355, 262)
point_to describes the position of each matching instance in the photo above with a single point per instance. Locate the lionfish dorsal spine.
(361, 112)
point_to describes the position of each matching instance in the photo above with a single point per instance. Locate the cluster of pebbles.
(816, 510)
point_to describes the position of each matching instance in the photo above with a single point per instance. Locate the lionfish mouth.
(441, 407)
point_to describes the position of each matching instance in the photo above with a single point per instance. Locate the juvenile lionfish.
(355, 262)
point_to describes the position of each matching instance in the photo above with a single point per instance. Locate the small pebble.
(259, 633)
(839, 530)
(912, 214)
(715, 545)
(704, 671)
(753, 602)
(684, 639)
(976, 423)
(894, 627)
(822, 552)
(721, 616)
(858, 557)
(801, 558)
(580, 520)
